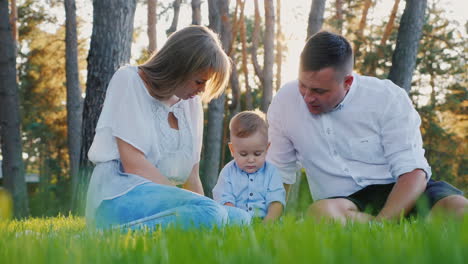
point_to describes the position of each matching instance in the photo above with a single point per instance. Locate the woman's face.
(194, 85)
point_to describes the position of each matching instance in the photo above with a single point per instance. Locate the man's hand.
(404, 195)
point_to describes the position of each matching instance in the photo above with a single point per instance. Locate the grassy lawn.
(67, 240)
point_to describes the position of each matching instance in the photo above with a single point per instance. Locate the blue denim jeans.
(151, 205)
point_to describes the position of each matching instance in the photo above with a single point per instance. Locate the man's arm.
(404, 195)
(275, 209)
(403, 148)
(282, 152)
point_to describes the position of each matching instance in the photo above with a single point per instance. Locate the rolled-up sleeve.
(275, 190)
(223, 190)
(281, 153)
(401, 137)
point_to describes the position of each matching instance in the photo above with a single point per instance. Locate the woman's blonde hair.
(188, 51)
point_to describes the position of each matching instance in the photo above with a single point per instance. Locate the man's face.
(323, 90)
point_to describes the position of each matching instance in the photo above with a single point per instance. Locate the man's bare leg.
(454, 205)
(339, 209)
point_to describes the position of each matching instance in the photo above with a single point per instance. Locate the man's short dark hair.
(326, 49)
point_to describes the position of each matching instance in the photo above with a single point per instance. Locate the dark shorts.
(372, 198)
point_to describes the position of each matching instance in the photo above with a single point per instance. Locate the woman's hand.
(193, 183)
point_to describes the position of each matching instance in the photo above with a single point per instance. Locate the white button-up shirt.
(371, 137)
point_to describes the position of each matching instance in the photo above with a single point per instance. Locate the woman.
(148, 138)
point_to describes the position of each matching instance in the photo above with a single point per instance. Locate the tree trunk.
(248, 94)
(13, 18)
(175, 19)
(151, 30)
(389, 27)
(372, 65)
(362, 25)
(315, 17)
(256, 33)
(234, 29)
(196, 12)
(110, 48)
(219, 22)
(10, 135)
(279, 46)
(74, 102)
(406, 50)
(339, 16)
(269, 56)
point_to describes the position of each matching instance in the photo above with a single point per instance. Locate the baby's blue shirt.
(252, 192)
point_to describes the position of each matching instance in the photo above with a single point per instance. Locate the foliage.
(441, 79)
(43, 105)
(66, 240)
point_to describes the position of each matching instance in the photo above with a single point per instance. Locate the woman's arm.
(135, 162)
(193, 183)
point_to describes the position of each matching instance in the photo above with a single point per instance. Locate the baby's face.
(250, 152)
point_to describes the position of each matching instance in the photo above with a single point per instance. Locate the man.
(357, 137)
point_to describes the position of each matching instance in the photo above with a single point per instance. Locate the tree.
(409, 35)
(315, 17)
(175, 19)
(339, 16)
(196, 12)
(74, 102)
(219, 19)
(243, 40)
(13, 18)
(111, 41)
(255, 42)
(12, 164)
(279, 45)
(269, 56)
(152, 21)
(362, 24)
(441, 70)
(265, 73)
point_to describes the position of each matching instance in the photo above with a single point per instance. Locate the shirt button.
(346, 170)
(251, 194)
(250, 208)
(251, 180)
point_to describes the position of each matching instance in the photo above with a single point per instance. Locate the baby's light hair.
(246, 123)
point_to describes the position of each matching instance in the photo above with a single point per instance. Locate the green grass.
(67, 240)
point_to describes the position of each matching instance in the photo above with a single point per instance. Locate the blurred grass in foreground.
(67, 240)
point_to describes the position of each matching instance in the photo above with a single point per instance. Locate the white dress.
(133, 115)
